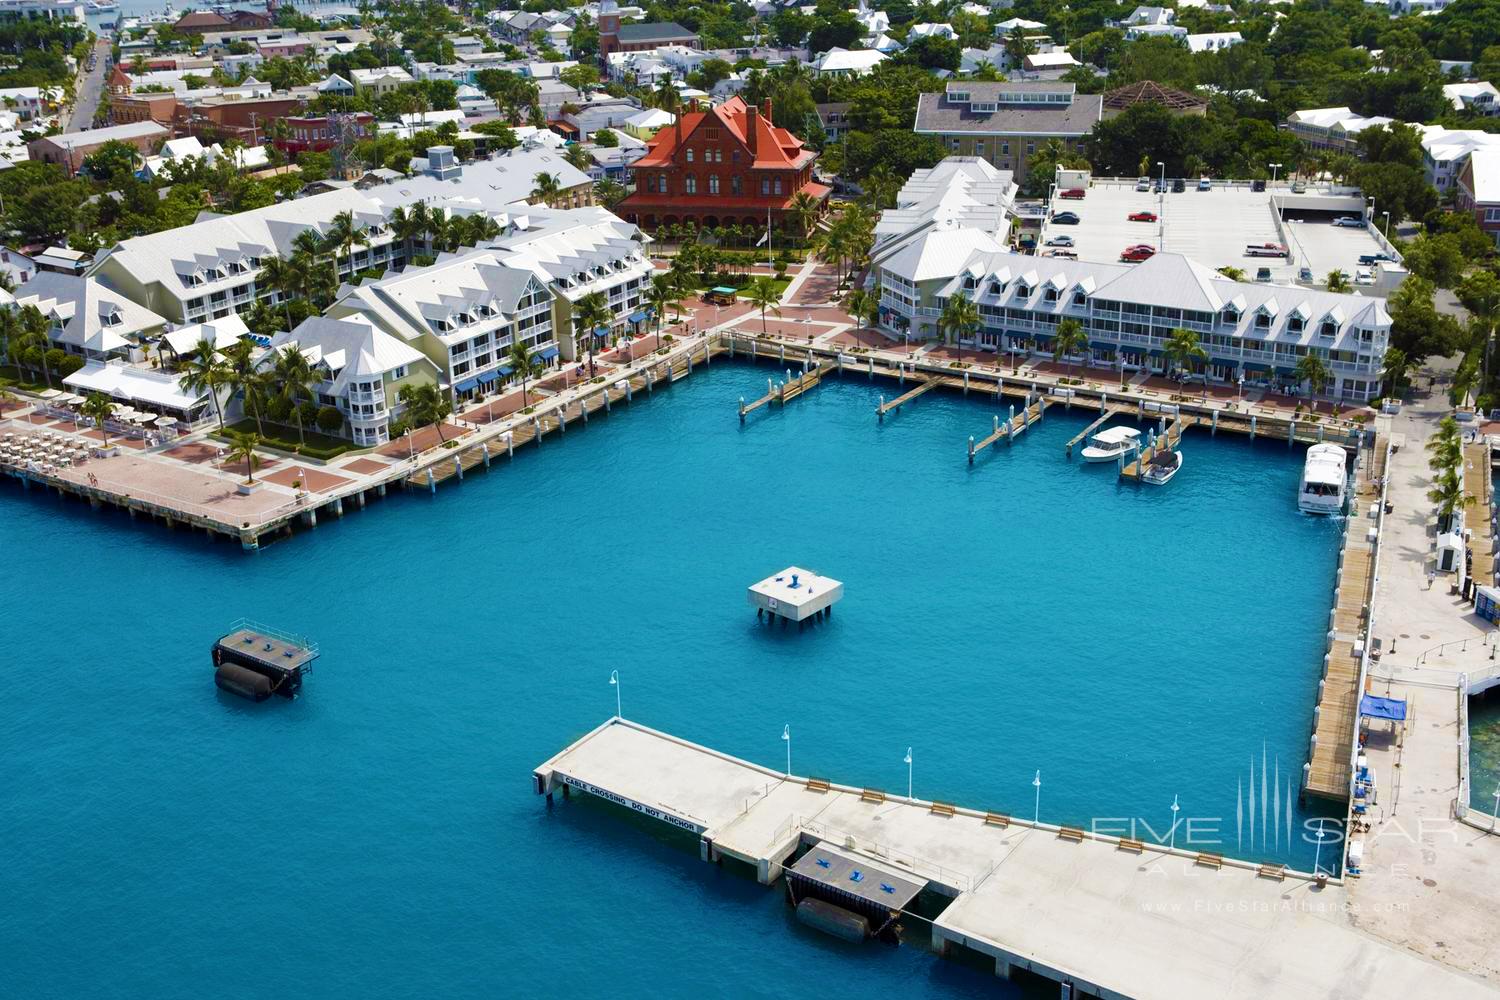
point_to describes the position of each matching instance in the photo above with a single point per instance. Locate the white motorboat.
(1110, 443)
(1162, 467)
(1325, 475)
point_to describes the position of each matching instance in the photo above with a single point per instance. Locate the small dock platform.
(782, 393)
(1108, 414)
(795, 595)
(1099, 914)
(256, 661)
(1014, 424)
(924, 386)
(1169, 439)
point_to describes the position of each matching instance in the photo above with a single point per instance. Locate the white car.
(1364, 276)
(1143, 184)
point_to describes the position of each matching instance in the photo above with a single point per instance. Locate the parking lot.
(1211, 227)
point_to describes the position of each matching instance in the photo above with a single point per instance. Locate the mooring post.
(971, 449)
(431, 482)
(627, 391)
(510, 444)
(1291, 431)
(1215, 428)
(742, 409)
(1252, 427)
(338, 506)
(841, 362)
(562, 416)
(999, 387)
(380, 490)
(871, 373)
(650, 379)
(486, 451)
(458, 467)
(880, 410)
(606, 400)
(966, 383)
(901, 372)
(781, 353)
(1320, 433)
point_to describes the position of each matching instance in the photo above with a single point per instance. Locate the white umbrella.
(51, 393)
(165, 421)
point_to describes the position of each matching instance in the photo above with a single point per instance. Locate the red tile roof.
(773, 147)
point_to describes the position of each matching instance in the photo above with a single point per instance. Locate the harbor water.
(378, 837)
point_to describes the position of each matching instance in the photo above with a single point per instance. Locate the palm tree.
(1314, 372)
(855, 304)
(666, 95)
(312, 247)
(1393, 369)
(578, 157)
(804, 208)
(1232, 273)
(33, 335)
(1337, 281)
(1448, 493)
(345, 233)
(244, 377)
(426, 405)
(1183, 351)
(99, 408)
(546, 188)
(204, 371)
(1070, 338)
(523, 365)
(591, 313)
(281, 277)
(295, 379)
(242, 446)
(408, 224)
(960, 318)
(763, 294)
(659, 295)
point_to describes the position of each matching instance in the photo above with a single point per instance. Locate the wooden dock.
(1169, 439)
(1083, 435)
(1012, 425)
(1327, 773)
(782, 393)
(926, 385)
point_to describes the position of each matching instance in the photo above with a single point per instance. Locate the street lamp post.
(786, 736)
(1161, 218)
(1274, 168)
(1173, 832)
(1036, 817)
(614, 682)
(908, 778)
(1386, 228)
(1318, 855)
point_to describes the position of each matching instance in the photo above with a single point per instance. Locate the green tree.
(295, 378)
(764, 295)
(242, 447)
(524, 366)
(1183, 351)
(1069, 339)
(591, 314)
(959, 319)
(1394, 367)
(204, 371)
(427, 404)
(545, 188)
(1313, 372)
(99, 408)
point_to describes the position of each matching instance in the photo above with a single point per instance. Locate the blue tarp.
(547, 354)
(466, 385)
(1382, 708)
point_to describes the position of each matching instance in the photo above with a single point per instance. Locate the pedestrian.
(1431, 575)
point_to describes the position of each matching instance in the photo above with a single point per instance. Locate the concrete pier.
(1108, 916)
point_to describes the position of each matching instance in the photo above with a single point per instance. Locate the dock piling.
(1252, 427)
(971, 449)
(966, 383)
(1215, 428)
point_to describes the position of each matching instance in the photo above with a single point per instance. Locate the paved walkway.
(1428, 881)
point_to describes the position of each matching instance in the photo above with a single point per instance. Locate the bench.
(871, 795)
(943, 809)
(1126, 844)
(1278, 872)
(1209, 860)
(996, 819)
(1072, 833)
(819, 785)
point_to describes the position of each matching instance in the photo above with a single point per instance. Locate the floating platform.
(795, 595)
(255, 661)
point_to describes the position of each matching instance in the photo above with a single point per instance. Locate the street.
(89, 92)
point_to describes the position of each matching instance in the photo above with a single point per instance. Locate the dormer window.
(1230, 315)
(1328, 328)
(1294, 324)
(1080, 299)
(996, 288)
(1262, 321)
(112, 319)
(1022, 291)
(970, 281)
(1050, 295)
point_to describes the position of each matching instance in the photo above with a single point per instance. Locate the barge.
(254, 661)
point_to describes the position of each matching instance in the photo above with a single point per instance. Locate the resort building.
(728, 164)
(1479, 190)
(1445, 151)
(89, 320)
(363, 369)
(46, 10)
(1005, 123)
(1252, 331)
(962, 193)
(1481, 98)
(462, 313)
(577, 253)
(1335, 129)
(381, 80)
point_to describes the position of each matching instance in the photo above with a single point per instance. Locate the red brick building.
(319, 132)
(726, 165)
(617, 37)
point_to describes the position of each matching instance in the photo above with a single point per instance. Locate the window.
(1492, 215)
(1328, 329)
(1050, 295)
(1022, 292)
(1005, 149)
(690, 184)
(1030, 148)
(1080, 299)
(1294, 324)
(1262, 321)
(734, 185)
(690, 156)
(765, 186)
(776, 186)
(713, 183)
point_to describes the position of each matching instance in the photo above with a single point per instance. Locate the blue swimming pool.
(378, 837)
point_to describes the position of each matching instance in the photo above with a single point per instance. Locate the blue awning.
(504, 370)
(488, 377)
(466, 385)
(547, 354)
(636, 317)
(1382, 708)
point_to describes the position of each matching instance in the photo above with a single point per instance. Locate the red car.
(1072, 193)
(1142, 217)
(1136, 253)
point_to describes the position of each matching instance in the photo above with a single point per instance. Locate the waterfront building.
(363, 370)
(1479, 190)
(1005, 123)
(1335, 129)
(463, 313)
(1445, 151)
(89, 320)
(577, 253)
(726, 164)
(1251, 330)
(44, 10)
(960, 193)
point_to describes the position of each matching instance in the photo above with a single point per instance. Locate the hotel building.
(1006, 123)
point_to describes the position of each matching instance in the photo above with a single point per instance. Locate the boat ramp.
(1100, 914)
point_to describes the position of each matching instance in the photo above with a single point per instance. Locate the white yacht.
(1162, 467)
(1110, 443)
(1324, 476)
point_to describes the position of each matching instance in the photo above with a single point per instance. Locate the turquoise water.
(378, 837)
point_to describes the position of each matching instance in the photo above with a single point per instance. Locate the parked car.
(1265, 250)
(1257, 185)
(1305, 275)
(1071, 193)
(1299, 187)
(1143, 184)
(1364, 276)
(1137, 253)
(1059, 241)
(1142, 217)
(1350, 221)
(1204, 184)
(1061, 254)
(1178, 185)
(1262, 274)
(1065, 218)
(1371, 259)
